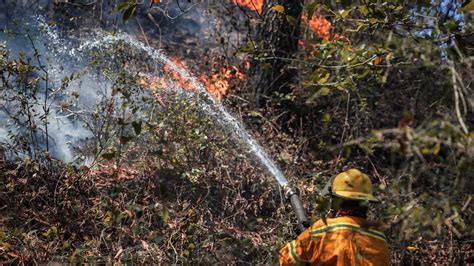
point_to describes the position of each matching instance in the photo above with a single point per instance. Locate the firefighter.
(346, 237)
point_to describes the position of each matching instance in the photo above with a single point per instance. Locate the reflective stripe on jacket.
(346, 240)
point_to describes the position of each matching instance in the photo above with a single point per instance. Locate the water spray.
(214, 107)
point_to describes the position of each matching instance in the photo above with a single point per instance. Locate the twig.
(78, 4)
(346, 125)
(466, 204)
(382, 180)
(166, 13)
(159, 29)
(456, 98)
(143, 32)
(348, 66)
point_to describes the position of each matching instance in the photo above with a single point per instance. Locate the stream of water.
(66, 56)
(214, 107)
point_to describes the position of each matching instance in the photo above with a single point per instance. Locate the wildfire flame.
(254, 5)
(177, 78)
(178, 62)
(217, 83)
(172, 79)
(318, 24)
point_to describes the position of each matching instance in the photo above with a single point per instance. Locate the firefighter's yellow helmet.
(351, 185)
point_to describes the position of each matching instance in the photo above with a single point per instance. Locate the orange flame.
(254, 5)
(157, 83)
(319, 25)
(178, 62)
(218, 84)
(176, 77)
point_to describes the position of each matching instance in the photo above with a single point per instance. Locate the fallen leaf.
(145, 245)
(12, 254)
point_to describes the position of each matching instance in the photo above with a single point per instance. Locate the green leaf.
(467, 6)
(362, 74)
(165, 214)
(293, 21)
(346, 3)
(360, 25)
(425, 151)
(312, 97)
(124, 6)
(398, 8)
(324, 78)
(52, 231)
(132, 10)
(326, 118)
(185, 253)
(324, 91)
(344, 13)
(364, 10)
(137, 127)
(126, 139)
(373, 20)
(310, 8)
(107, 218)
(108, 156)
(320, 75)
(452, 25)
(436, 149)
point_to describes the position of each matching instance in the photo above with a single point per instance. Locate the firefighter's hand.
(299, 228)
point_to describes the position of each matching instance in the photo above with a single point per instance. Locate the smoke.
(71, 87)
(207, 102)
(70, 107)
(58, 61)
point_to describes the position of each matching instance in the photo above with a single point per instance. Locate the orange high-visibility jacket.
(346, 240)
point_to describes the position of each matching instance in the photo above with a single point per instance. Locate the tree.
(278, 37)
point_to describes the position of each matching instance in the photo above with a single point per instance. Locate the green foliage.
(128, 8)
(387, 92)
(25, 100)
(381, 90)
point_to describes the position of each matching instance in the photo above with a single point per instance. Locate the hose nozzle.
(297, 205)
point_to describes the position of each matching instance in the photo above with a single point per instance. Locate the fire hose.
(295, 201)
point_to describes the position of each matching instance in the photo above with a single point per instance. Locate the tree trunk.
(279, 40)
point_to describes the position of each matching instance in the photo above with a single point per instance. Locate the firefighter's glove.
(298, 229)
